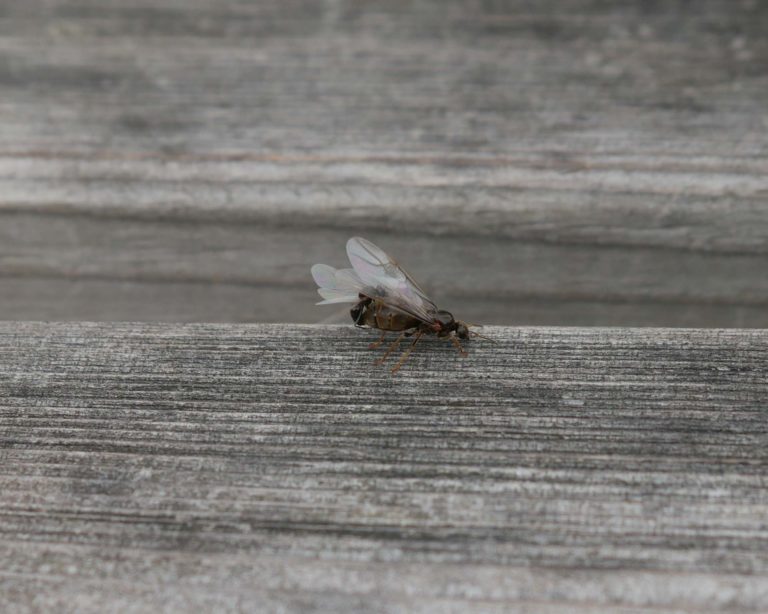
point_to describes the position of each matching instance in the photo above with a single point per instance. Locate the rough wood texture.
(599, 162)
(250, 468)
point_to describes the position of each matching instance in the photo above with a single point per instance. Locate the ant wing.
(386, 281)
(337, 285)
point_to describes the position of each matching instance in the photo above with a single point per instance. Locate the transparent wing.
(386, 280)
(337, 285)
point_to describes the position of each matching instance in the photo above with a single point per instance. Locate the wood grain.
(547, 163)
(243, 467)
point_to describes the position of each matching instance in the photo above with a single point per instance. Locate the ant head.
(448, 323)
(462, 331)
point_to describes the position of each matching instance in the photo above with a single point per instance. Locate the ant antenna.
(471, 332)
(482, 336)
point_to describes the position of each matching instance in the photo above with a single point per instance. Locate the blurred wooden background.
(547, 162)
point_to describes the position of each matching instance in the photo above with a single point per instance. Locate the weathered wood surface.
(600, 163)
(255, 468)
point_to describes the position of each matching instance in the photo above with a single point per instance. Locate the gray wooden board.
(152, 467)
(560, 162)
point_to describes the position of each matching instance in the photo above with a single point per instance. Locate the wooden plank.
(487, 279)
(48, 298)
(242, 467)
(608, 164)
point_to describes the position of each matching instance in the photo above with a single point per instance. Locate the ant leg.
(376, 344)
(391, 349)
(455, 342)
(407, 353)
